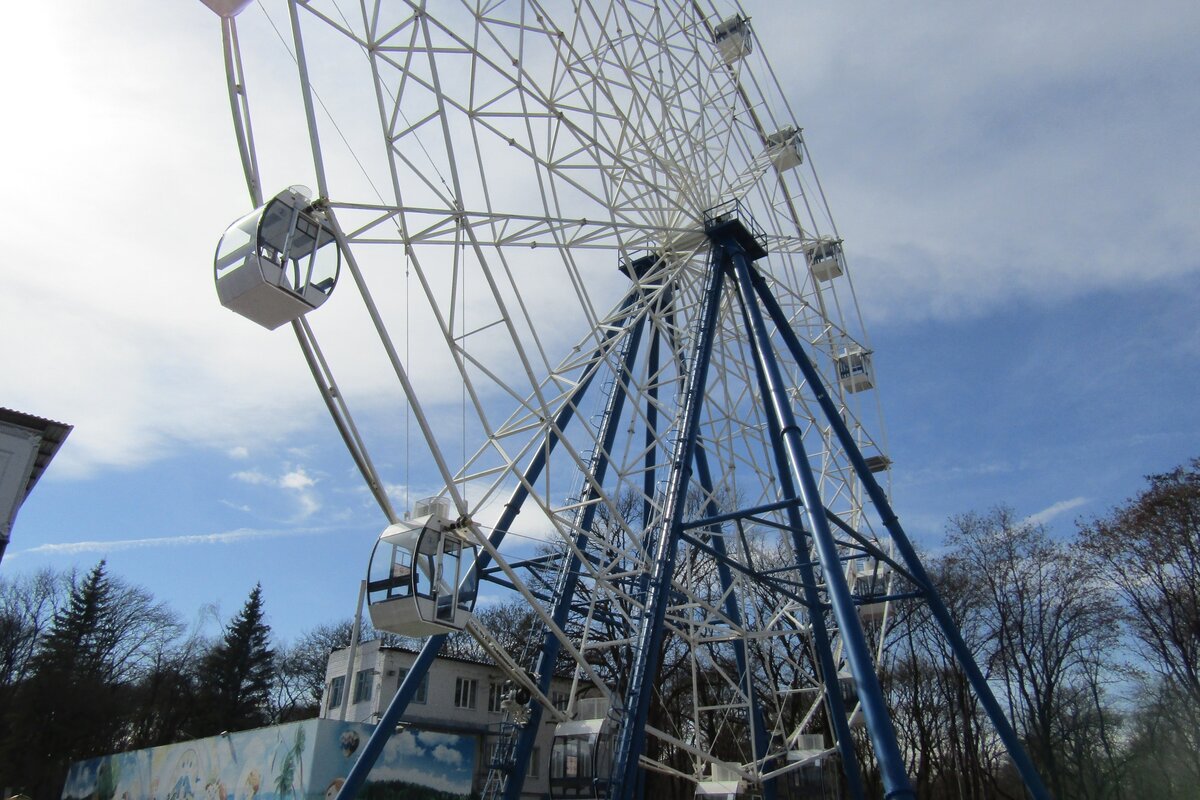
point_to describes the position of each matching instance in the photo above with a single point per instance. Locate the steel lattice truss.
(543, 174)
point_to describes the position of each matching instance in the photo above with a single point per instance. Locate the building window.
(422, 688)
(336, 687)
(362, 685)
(559, 700)
(535, 762)
(495, 697)
(464, 692)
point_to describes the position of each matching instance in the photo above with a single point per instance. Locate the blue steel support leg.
(879, 724)
(758, 729)
(408, 687)
(823, 650)
(391, 717)
(1033, 781)
(649, 473)
(568, 576)
(631, 738)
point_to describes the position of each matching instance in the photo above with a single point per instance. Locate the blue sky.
(1016, 187)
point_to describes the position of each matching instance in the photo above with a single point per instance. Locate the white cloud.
(972, 154)
(112, 546)
(297, 479)
(252, 477)
(1050, 512)
(435, 739)
(406, 744)
(447, 755)
(295, 482)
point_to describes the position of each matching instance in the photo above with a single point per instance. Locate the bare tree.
(1051, 629)
(27, 607)
(300, 668)
(1149, 550)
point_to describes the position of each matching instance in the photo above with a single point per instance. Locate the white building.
(457, 696)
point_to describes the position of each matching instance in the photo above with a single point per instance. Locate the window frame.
(337, 692)
(364, 685)
(495, 697)
(466, 691)
(421, 695)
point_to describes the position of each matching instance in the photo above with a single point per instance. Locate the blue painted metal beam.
(722, 558)
(631, 737)
(879, 724)
(742, 513)
(404, 694)
(1033, 781)
(733, 612)
(827, 668)
(568, 580)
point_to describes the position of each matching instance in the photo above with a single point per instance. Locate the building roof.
(53, 435)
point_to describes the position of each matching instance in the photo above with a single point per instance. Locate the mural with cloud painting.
(299, 761)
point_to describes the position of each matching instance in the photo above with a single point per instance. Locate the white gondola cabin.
(278, 262)
(723, 783)
(421, 580)
(733, 38)
(816, 777)
(870, 579)
(824, 257)
(582, 753)
(849, 691)
(854, 370)
(784, 148)
(878, 463)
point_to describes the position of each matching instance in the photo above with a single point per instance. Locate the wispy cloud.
(252, 477)
(295, 481)
(1050, 512)
(110, 546)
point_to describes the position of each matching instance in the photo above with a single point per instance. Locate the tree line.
(1092, 642)
(90, 664)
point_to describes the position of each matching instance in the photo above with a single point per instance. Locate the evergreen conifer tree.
(71, 707)
(77, 643)
(237, 673)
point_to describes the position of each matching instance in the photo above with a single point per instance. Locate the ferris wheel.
(637, 347)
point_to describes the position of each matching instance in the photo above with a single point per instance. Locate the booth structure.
(816, 770)
(723, 783)
(581, 759)
(275, 264)
(420, 581)
(824, 256)
(733, 39)
(870, 579)
(854, 370)
(785, 148)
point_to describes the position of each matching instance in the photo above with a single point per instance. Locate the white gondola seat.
(854, 370)
(784, 148)
(733, 38)
(421, 579)
(276, 264)
(824, 257)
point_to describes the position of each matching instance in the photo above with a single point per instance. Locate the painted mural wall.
(299, 761)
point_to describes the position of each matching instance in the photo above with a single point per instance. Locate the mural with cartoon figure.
(299, 761)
